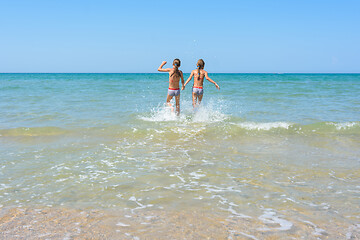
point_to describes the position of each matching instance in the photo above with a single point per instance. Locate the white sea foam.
(352, 230)
(264, 126)
(269, 217)
(235, 213)
(132, 198)
(247, 235)
(317, 231)
(197, 175)
(4, 186)
(120, 224)
(344, 125)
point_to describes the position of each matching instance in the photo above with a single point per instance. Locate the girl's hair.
(200, 64)
(177, 64)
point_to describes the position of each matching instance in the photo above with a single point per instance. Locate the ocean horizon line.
(184, 72)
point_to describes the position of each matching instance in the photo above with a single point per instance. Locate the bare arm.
(182, 80)
(212, 81)
(188, 80)
(160, 69)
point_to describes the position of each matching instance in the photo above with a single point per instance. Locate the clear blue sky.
(135, 36)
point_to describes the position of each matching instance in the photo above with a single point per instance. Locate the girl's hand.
(217, 86)
(183, 87)
(163, 63)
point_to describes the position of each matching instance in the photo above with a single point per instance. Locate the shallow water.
(266, 157)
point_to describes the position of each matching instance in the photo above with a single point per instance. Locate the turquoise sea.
(269, 156)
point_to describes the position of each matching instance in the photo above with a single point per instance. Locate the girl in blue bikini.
(199, 74)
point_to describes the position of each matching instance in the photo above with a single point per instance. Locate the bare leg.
(168, 99)
(200, 98)
(194, 98)
(177, 102)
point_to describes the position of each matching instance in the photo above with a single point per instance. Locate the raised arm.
(212, 81)
(160, 69)
(188, 80)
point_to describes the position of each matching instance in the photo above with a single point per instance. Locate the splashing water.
(205, 113)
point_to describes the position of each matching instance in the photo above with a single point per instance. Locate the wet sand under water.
(66, 223)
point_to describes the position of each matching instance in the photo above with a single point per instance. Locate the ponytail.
(176, 64)
(200, 65)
